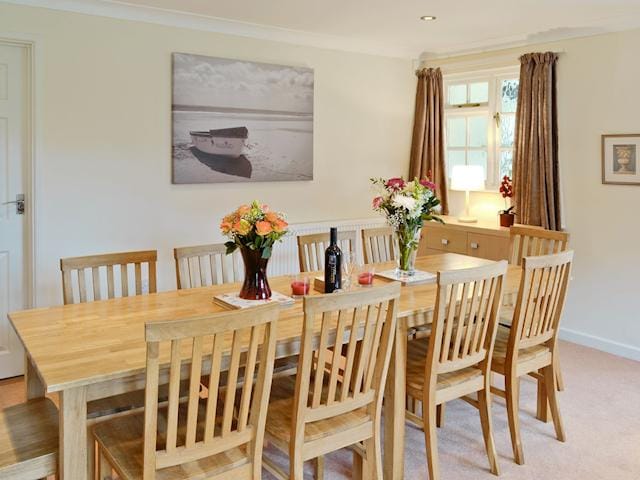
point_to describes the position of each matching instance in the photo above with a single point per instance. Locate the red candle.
(299, 287)
(365, 278)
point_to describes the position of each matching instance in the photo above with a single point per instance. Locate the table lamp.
(467, 178)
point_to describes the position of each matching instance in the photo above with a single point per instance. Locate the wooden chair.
(205, 265)
(107, 262)
(378, 245)
(29, 440)
(311, 248)
(528, 241)
(530, 345)
(455, 361)
(534, 241)
(334, 403)
(199, 438)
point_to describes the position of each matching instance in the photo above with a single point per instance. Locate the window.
(480, 122)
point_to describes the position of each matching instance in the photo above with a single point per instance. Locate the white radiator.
(284, 260)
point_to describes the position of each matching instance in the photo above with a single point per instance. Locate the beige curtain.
(535, 163)
(427, 148)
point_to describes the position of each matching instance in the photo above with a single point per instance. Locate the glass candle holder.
(365, 275)
(300, 285)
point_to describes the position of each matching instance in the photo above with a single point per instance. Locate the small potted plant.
(507, 216)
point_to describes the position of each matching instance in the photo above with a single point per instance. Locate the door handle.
(474, 245)
(19, 203)
(445, 241)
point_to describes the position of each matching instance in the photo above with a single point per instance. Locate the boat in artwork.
(227, 142)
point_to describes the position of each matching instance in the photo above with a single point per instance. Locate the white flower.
(403, 201)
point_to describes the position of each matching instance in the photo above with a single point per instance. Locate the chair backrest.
(205, 265)
(239, 342)
(466, 319)
(533, 241)
(311, 248)
(330, 382)
(107, 267)
(541, 297)
(378, 245)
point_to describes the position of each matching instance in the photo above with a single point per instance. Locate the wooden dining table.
(94, 350)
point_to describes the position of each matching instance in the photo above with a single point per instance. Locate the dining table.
(94, 350)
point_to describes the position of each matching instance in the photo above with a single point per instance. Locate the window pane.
(506, 163)
(507, 129)
(479, 157)
(457, 132)
(509, 95)
(454, 157)
(479, 92)
(477, 131)
(457, 94)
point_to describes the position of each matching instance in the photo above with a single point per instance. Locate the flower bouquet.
(254, 229)
(406, 205)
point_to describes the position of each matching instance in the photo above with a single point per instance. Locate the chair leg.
(542, 407)
(512, 387)
(559, 377)
(318, 467)
(549, 376)
(373, 465)
(358, 466)
(103, 467)
(296, 467)
(484, 405)
(431, 439)
(440, 415)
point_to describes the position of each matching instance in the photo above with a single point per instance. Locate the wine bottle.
(333, 264)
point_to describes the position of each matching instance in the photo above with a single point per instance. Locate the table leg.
(34, 388)
(73, 434)
(394, 407)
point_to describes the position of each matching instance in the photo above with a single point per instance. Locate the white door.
(14, 71)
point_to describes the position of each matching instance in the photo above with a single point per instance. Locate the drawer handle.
(445, 241)
(474, 245)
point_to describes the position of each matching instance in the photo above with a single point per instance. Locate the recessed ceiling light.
(427, 18)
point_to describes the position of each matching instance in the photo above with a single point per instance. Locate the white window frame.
(490, 108)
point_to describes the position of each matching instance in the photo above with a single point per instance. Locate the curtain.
(535, 163)
(427, 147)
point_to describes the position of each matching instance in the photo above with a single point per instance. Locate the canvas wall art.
(620, 159)
(240, 121)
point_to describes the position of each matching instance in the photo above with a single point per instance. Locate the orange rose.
(271, 217)
(242, 227)
(226, 226)
(243, 209)
(263, 228)
(279, 225)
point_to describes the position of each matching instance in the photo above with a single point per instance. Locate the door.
(14, 91)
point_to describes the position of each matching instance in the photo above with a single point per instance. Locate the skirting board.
(599, 343)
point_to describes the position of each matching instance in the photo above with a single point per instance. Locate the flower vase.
(407, 239)
(256, 284)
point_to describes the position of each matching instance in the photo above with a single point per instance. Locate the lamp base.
(467, 219)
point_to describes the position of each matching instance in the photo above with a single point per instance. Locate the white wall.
(597, 93)
(104, 167)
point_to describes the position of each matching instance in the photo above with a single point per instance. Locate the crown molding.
(174, 18)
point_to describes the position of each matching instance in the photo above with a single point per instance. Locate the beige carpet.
(601, 413)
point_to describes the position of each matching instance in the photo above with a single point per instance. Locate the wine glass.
(348, 265)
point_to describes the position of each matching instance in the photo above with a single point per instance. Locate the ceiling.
(388, 27)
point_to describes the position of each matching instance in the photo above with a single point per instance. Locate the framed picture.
(240, 121)
(621, 159)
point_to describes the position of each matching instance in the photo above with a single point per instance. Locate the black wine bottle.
(333, 264)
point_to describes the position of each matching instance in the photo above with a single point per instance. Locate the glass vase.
(256, 284)
(407, 239)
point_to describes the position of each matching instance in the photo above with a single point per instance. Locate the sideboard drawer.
(490, 247)
(445, 240)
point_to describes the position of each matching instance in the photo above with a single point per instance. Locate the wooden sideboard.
(482, 239)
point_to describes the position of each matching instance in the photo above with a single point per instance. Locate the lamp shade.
(467, 178)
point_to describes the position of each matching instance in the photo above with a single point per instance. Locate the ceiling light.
(427, 18)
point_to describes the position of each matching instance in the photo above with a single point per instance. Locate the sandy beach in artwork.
(277, 149)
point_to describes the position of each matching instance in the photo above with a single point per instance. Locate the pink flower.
(263, 228)
(377, 202)
(396, 183)
(425, 182)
